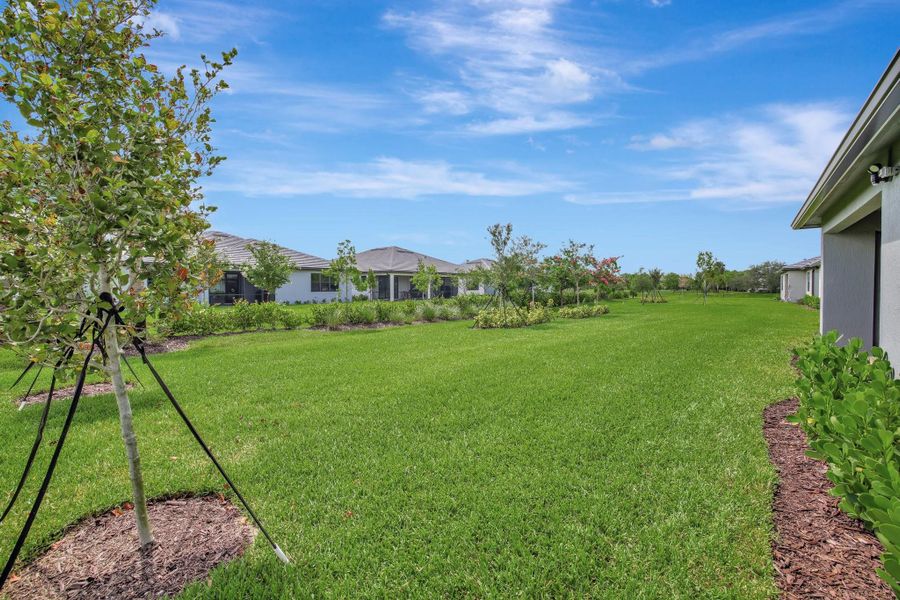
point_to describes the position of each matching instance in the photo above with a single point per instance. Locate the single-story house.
(801, 279)
(394, 268)
(856, 205)
(307, 283)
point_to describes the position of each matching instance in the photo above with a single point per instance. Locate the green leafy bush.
(511, 317)
(583, 311)
(850, 410)
(203, 319)
(811, 301)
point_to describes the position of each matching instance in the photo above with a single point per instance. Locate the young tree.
(515, 264)
(656, 276)
(371, 284)
(101, 195)
(709, 272)
(270, 268)
(642, 284)
(426, 279)
(576, 258)
(343, 268)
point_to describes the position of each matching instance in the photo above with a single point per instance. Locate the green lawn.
(614, 457)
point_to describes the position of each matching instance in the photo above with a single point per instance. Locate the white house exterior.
(307, 284)
(481, 288)
(856, 204)
(801, 279)
(394, 267)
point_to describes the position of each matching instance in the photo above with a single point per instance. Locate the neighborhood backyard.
(620, 456)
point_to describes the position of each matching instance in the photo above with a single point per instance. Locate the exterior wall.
(848, 280)
(793, 286)
(812, 281)
(299, 289)
(889, 308)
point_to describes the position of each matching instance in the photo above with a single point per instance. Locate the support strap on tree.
(79, 387)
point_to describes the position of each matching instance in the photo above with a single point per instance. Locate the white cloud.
(553, 121)
(773, 154)
(808, 22)
(443, 101)
(160, 21)
(660, 3)
(381, 178)
(508, 60)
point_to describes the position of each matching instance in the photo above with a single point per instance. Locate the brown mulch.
(99, 557)
(819, 551)
(170, 344)
(90, 389)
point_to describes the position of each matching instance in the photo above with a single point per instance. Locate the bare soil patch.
(91, 389)
(98, 557)
(819, 551)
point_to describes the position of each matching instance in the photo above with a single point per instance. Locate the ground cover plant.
(582, 311)
(850, 409)
(619, 457)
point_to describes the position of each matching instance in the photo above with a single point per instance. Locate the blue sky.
(652, 129)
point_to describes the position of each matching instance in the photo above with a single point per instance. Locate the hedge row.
(850, 410)
(583, 311)
(243, 316)
(337, 315)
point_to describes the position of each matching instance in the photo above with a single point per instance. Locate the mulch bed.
(819, 552)
(99, 557)
(90, 389)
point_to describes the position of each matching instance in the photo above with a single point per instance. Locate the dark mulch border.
(819, 551)
(90, 389)
(99, 557)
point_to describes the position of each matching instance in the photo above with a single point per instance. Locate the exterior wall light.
(879, 173)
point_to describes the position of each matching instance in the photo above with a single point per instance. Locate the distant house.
(307, 283)
(394, 268)
(801, 279)
(856, 204)
(480, 287)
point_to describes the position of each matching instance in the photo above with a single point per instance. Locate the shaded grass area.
(613, 457)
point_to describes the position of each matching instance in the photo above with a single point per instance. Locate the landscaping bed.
(90, 389)
(99, 557)
(819, 551)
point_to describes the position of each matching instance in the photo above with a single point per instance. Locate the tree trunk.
(131, 450)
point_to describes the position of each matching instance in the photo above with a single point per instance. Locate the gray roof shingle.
(235, 251)
(803, 265)
(393, 259)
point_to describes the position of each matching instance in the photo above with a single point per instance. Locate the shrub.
(583, 311)
(850, 410)
(497, 318)
(811, 301)
(426, 311)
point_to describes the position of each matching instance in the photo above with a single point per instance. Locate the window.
(228, 289)
(321, 283)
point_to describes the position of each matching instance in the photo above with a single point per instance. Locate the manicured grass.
(616, 457)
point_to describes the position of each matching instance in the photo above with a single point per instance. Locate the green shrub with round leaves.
(850, 410)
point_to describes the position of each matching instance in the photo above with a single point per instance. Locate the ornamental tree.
(99, 193)
(426, 279)
(343, 268)
(270, 268)
(605, 273)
